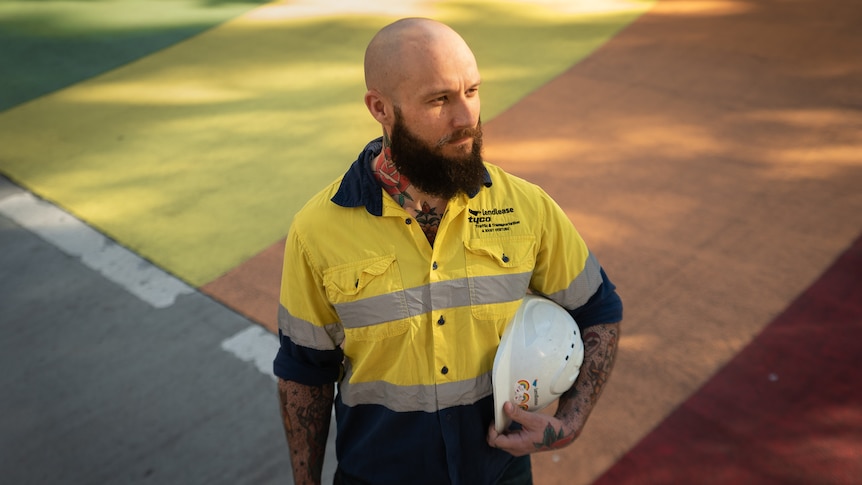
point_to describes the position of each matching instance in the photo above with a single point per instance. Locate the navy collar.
(360, 188)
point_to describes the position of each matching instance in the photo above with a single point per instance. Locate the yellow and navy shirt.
(409, 330)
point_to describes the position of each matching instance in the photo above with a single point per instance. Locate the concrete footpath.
(99, 386)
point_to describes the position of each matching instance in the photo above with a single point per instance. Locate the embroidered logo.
(485, 219)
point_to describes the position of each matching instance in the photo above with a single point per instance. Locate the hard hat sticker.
(522, 394)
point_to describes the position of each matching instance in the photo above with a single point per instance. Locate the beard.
(432, 172)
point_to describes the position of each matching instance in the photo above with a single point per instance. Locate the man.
(400, 277)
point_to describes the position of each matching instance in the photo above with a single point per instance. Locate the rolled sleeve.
(305, 365)
(605, 306)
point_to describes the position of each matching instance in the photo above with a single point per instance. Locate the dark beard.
(432, 172)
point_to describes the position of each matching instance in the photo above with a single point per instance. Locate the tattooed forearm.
(600, 349)
(305, 412)
(602, 356)
(554, 439)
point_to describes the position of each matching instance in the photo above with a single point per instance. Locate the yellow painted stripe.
(197, 157)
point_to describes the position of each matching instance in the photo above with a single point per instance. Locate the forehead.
(440, 71)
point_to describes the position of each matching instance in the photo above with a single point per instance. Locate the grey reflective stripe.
(441, 295)
(373, 310)
(582, 288)
(307, 334)
(403, 399)
(499, 289)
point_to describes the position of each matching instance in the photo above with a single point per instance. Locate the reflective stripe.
(307, 334)
(373, 310)
(460, 292)
(449, 294)
(582, 288)
(414, 398)
(499, 289)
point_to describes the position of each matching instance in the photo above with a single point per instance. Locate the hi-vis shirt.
(409, 330)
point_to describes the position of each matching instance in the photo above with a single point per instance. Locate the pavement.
(103, 387)
(709, 152)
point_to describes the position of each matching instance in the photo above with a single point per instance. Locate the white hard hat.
(539, 357)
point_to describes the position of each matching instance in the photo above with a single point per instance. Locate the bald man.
(400, 277)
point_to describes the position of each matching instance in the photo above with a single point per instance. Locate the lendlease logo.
(484, 219)
(485, 215)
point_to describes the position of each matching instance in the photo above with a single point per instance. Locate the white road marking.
(125, 268)
(139, 277)
(75, 238)
(256, 345)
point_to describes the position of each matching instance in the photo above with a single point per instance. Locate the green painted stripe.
(49, 45)
(197, 157)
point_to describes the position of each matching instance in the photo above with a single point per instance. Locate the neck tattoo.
(428, 215)
(392, 181)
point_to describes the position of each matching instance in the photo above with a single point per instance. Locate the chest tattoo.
(429, 221)
(400, 188)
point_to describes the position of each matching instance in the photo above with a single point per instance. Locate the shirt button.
(444, 370)
(505, 259)
(408, 221)
(441, 321)
(434, 265)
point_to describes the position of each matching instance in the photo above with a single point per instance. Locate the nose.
(465, 113)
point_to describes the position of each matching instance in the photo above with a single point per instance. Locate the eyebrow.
(434, 92)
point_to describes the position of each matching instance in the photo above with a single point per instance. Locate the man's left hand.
(539, 432)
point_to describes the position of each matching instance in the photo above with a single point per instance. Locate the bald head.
(406, 49)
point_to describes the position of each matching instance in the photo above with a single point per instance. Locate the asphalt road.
(99, 386)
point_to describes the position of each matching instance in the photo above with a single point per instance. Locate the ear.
(379, 107)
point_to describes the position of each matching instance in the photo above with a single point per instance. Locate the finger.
(517, 414)
(492, 433)
(530, 421)
(495, 439)
(510, 408)
(512, 444)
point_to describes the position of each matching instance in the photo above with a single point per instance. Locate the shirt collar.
(360, 188)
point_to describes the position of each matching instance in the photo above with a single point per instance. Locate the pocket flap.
(507, 253)
(352, 279)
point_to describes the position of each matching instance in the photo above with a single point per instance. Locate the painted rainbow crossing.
(197, 156)
(708, 152)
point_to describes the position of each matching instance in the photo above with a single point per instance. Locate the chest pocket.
(368, 296)
(498, 274)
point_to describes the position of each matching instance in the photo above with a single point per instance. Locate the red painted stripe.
(787, 409)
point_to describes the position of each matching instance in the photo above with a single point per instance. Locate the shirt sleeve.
(605, 306)
(310, 333)
(307, 366)
(569, 274)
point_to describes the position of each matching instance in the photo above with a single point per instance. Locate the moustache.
(461, 134)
